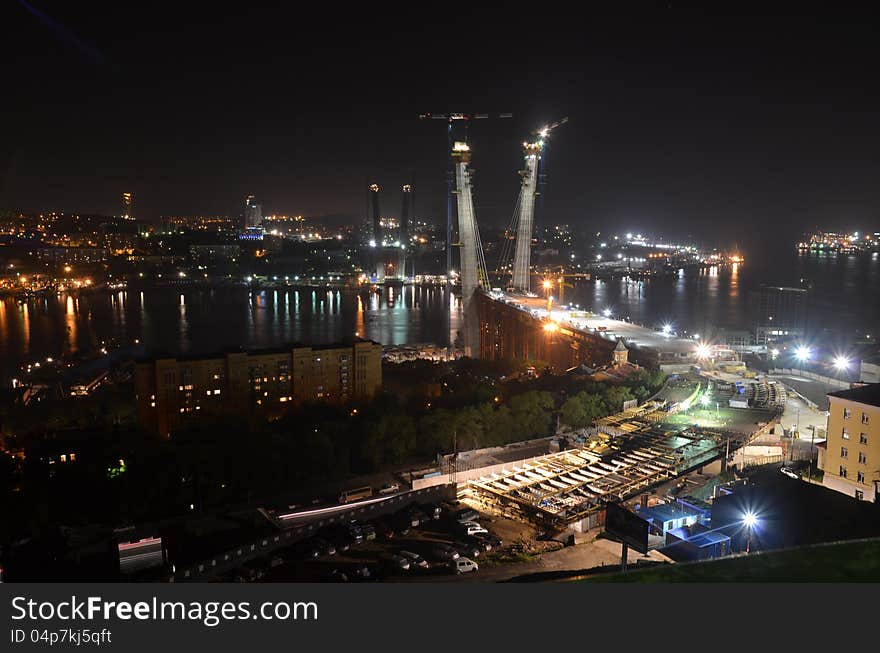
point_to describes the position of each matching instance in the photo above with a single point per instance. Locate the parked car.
(472, 528)
(325, 547)
(369, 532)
(385, 529)
(463, 566)
(337, 576)
(433, 510)
(415, 560)
(417, 517)
(466, 514)
(444, 552)
(339, 537)
(356, 531)
(483, 545)
(389, 488)
(397, 563)
(789, 472)
(468, 548)
(491, 539)
(361, 573)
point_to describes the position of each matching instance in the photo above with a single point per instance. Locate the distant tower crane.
(529, 190)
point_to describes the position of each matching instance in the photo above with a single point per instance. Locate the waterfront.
(205, 319)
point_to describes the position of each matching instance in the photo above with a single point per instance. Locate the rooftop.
(866, 394)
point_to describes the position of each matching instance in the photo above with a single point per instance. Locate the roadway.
(611, 329)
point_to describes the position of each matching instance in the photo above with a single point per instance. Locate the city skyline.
(744, 135)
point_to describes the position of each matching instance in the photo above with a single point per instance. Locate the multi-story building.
(127, 207)
(253, 212)
(173, 393)
(852, 449)
(781, 314)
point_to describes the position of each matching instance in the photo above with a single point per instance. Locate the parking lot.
(416, 541)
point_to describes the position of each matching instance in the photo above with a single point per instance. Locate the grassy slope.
(844, 562)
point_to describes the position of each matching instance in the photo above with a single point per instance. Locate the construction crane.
(450, 118)
(544, 131)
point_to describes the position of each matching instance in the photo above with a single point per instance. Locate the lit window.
(152, 404)
(845, 434)
(216, 392)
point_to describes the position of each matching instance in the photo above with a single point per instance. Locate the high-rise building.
(851, 461)
(127, 208)
(173, 393)
(781, 314)
(253, 212)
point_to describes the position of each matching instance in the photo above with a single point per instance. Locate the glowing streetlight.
(667, 329)
(704, 351)
(607, 312)
(774, 353)
(704, 400)
(547, 284)
(841, 363)
(750, 520)
(802, 353)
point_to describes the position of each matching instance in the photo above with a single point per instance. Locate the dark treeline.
(123, 475)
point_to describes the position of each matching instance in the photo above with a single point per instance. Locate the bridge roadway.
(591, 337)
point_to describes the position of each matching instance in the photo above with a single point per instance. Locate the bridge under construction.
(513, 322)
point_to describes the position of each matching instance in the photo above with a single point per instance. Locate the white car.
(789, 472)
(463, 565)
(473, 528)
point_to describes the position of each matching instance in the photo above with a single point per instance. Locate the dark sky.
(750, 126)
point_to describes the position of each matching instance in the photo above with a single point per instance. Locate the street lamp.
(703, 350)
(841, 363)
(607, 312)
(802, 353)
(750, 520)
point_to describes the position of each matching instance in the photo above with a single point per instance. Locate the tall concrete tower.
(377, 271)
(405, 215)
(469, 237)
(522, 263)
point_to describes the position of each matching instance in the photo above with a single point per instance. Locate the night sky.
(751, 127)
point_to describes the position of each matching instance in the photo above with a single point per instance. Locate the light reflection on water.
(844, 296)
(172, 320)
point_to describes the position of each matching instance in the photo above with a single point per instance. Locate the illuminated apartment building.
(174, 393)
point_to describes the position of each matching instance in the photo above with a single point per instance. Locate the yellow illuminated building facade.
(173, 393)
(852, 455)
